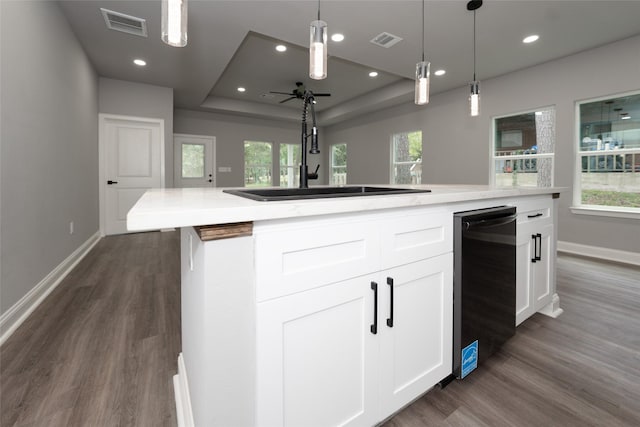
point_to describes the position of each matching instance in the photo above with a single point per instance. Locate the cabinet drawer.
(535, 210)
(297, 258)
(416, 236)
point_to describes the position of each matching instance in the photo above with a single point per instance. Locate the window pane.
(519, 143)
(406, 158)
(289, 165)
(338, 174)
(192, 160)
(609, 152)
(257, 164)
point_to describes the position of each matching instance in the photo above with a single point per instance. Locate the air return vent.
(125, 23)
(385, 40)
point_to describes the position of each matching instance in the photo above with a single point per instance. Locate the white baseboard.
(182, 396)
(598, 252)
(18, 313)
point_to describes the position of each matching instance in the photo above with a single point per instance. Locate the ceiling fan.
(298, 93)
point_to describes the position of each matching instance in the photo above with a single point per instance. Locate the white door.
(194, 159)
(132, 151)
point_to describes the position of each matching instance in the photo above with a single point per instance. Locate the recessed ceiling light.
(373, 74)
(625, 116)
(337, 37)
(281, 48)
(140, 62)
(241, 89)
(440, 72)
(531, 38)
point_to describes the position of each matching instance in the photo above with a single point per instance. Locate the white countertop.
(183, 207)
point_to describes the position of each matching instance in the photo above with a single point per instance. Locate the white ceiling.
(231, 44)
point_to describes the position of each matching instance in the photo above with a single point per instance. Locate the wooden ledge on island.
(224, 231)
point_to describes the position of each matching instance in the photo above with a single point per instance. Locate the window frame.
(332, 166)
(244, 179)
(295, 166)
(595, 210)
(392, 156)
(492, 148)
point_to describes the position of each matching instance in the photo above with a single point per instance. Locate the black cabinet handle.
(539, 245)
(535, 215)
(374, 326)
(111, 182)
(390, 318)
(535, 247)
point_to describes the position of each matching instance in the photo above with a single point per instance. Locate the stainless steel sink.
(275, 194)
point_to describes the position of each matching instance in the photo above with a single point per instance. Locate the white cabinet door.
(415, 350)
(317, 356)
(524, 283)
(543, 268)
(534, 268)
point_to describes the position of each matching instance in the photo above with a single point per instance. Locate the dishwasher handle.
(488, 223)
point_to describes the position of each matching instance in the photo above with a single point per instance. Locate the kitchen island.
(328, 311)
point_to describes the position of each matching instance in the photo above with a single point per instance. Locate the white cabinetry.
(354, 351)
(535, 257)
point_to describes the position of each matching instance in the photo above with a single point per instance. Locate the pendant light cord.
(422, 30)
(474, 45)
(318, 10)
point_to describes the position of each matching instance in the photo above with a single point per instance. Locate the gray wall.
(457, 148)
(49, 152)
(141, 100)
(232, 131)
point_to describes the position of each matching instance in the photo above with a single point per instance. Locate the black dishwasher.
(484, 285)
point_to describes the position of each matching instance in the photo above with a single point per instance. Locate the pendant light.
(318, 48)
(422, 74)
(174, 22)
(474, 96)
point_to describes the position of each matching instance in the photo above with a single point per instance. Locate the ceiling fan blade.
(288, 99)
(321, 94)
(281, 93)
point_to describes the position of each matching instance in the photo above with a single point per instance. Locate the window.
(523, 149)
(406, 158)
(289, 165)
(257, 164)
(192, 160)
(608, 156)
(338, 162)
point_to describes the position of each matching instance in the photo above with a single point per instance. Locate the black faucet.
(305, 175)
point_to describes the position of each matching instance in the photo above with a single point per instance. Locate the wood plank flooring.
(581, 369)
(101, 351)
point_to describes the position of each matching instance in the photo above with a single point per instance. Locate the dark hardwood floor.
(101, 351)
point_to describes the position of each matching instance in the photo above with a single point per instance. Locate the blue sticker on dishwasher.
(469, 359)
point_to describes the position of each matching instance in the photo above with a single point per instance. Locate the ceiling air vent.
(125, 23)
(385, 40)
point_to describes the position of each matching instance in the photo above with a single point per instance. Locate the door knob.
(111, 182)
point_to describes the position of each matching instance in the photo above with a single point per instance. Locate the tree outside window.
(406, 158)
(258, 161)
(338, 173)
(289, 165)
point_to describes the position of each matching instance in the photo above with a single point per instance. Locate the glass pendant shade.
(174, 22)
(318, 50)
(422, 83)
(474, 99)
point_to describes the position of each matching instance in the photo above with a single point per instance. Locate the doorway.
(194, 160)
(131, 161)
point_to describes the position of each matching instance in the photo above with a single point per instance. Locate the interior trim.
(599, 252)
(20, 311)
(184, 413)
